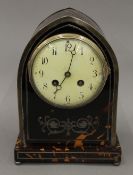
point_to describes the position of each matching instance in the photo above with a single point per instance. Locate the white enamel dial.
(67, 70)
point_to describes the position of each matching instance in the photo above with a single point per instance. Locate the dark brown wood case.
(82, 135)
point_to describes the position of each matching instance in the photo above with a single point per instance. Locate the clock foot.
(18, 163)
(116, 163)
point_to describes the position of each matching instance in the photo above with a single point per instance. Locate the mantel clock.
(67, 94)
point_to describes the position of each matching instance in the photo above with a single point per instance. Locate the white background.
(18, 20)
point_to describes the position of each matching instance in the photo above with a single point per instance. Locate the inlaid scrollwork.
(55, 126)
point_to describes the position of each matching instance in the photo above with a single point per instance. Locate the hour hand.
(56, 83)
(59, 87)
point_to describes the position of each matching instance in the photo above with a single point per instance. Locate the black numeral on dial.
(54, 51)
(68, 46)
(95, 73)
(44, 60)
(81, 95)
(82, 51)
(92, 59)
(68, 99)
(91, 87)
(41, 73)
(45, 85)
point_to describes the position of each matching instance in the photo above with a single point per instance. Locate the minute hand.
(73, 52)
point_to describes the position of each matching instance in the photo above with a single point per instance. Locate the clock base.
(53, 154)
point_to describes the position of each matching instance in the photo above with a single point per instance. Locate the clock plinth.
(63, 154)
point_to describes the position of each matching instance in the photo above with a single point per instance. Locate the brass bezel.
(106, 69)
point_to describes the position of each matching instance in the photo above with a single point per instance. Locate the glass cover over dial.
(68, 70)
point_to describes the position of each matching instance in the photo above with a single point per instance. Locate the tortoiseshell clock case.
(82, 135)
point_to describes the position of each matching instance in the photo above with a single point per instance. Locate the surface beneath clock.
(63, 154)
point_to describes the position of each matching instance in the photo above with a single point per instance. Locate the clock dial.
(68, 70)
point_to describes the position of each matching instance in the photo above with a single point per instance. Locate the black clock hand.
(59, 86)
(67, 73)
(73, 52)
